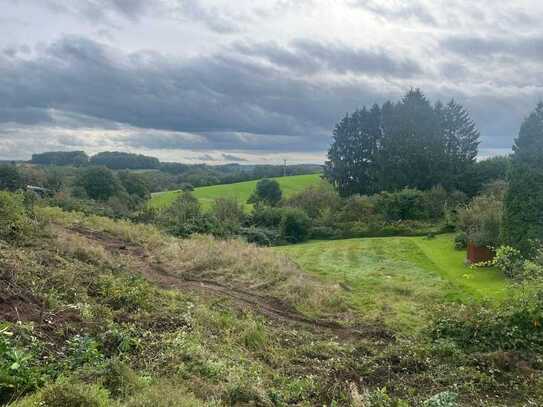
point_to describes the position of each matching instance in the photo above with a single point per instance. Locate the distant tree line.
(408, 144)
(74, 158)
(169, 175)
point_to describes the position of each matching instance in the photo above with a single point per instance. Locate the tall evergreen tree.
(412, 147)
(407, 144)
(523, 212)
(461, 143)
(354, 152)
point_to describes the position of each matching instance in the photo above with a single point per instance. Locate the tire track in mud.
(270, 307)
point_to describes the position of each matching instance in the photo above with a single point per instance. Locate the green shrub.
(509, 261)
(402, 205)
(17, 375)
(443, 399)
(358, 209)
(163, 395)
(295, 225)
(120, 380)
(514, 325)
(99, 183)
(324, 232)
(64, 394)
(184, 217)
(481, 220)
(15, 222)
(10, 178)
(261, 236)
(315, 200)
(264, 216)
(461, 241)
(229, 215)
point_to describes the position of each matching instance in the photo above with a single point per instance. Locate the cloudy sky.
(253, 80)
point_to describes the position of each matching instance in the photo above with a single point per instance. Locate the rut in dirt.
(270, 307)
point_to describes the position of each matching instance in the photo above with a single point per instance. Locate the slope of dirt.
(268, 306)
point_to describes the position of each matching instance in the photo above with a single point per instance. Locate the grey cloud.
(106, 11)
(311, 56)
(212, 17)
(526, 47)
(226, 102)
(100, 10)
(233, 158)
(24, 115)
(218, 96)
(411, 9)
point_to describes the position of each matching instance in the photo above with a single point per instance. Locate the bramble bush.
(514, 325)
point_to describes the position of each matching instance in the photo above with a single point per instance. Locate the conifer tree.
(523, 212)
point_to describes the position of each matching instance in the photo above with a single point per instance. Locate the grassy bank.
(398, 279)
(241, 190)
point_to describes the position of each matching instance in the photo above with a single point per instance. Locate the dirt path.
(271, 307)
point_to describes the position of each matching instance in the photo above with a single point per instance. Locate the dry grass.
(229, 262)
(260, 270)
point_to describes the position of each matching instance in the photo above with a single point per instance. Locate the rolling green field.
(398, 279)
(241, 190)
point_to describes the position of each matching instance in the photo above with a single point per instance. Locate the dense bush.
(295, 225)
(17, 376)
(15, 221)
(184, 217)
(481, 220)
(134, 184)
(99, 183)
(315, 200)
(261, 236)
(265, 216)
(461, 241)
(65, 394)
(10, 178)
(514, 325)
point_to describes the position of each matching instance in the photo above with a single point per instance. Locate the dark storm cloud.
(311, 56)
(228, 101)
(23, 115)
(246, 99)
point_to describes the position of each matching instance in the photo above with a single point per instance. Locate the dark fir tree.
(523, 211)
(461, 144)
(412, 147)
(407, 144)
(352, 164)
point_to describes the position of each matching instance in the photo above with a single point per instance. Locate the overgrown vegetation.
(101, 312)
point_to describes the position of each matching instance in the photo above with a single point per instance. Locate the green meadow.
(241, 190)
(398, 279)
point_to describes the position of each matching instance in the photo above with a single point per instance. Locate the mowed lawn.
(399, 279)
(241, 190)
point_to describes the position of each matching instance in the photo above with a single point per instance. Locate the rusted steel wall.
(478, 254)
